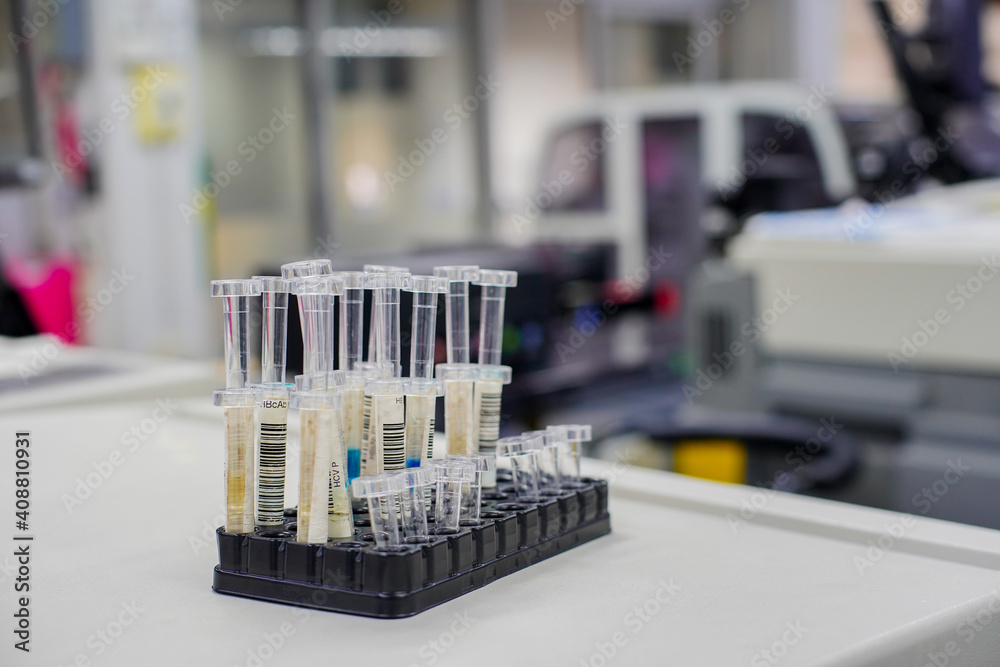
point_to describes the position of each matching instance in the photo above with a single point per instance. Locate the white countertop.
(789, 580)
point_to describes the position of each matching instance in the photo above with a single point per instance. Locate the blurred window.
(574, 172)
(780, 164)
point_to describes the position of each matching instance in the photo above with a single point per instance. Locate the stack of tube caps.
(367, 431)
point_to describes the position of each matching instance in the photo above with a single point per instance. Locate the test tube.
(324, 458)
(571, 437)
(457, 309)
(387, 422)
(352, 312)
(546, 446)
(381, 492)
(373, 322)
(353, 417)
(423, 390)
(316, 415)
(414, 483)
(524, 464)
(272, 401)
(492, 376)
(472, 493)
(328, 387)
(386, 289)
(459, 382)
(450, 474)
(369, 460)
(238, 400)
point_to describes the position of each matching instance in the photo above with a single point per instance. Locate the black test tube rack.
(355, 578)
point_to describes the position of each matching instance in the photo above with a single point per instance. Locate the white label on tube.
(391, 432)
(273, 429)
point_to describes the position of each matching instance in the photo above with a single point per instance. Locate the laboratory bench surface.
(125, 499)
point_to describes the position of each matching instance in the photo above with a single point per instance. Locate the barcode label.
(368, 452)
(488, 414)
(273, 430)
(430, 440)
(391, 432)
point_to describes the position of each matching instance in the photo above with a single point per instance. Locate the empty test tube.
(523, 463)
(472, 493)
(414, 483)
(571, 438)
(386, 288)
(546, 444)
(457, 309)
(238, 400)
(382, 493)
(373, 328)
(450, 475)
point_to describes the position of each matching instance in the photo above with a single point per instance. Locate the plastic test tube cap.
(412, 478)
(482, 462)
(386, 386)
(235, 287)
(574, 432)
(427, 284)
(307, 267)
(424, 387)
(494, 372)
(235, 398)
(375, 486)
(319, 285)
(273, 284)
(496, 278)
(462, 273)
(454, 470)
(385, 268)
(447, 372)
(322, 381)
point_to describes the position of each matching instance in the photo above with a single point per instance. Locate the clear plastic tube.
(238, 401)
(414, 483)
(315, 295)
(494, 293)
(472, 493)
(546, 446)
(451, 474)
(374, 322)
(524, 464)
(457, 309)
(352, 312)
(459, 406)
(381, 492)
(388, 422)
(387, 287)
(571, 438)
(423, 332)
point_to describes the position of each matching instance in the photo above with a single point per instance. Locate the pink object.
(47, 289)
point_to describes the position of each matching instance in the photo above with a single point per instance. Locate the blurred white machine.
(883, 317)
